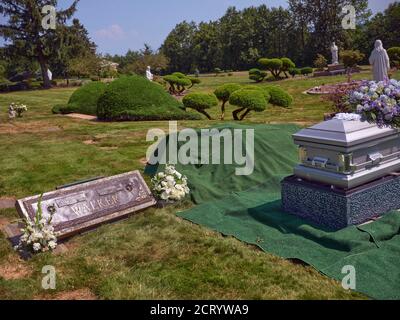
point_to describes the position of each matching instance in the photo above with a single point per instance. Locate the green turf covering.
(249, 208)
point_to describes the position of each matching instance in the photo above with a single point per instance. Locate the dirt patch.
(27, 127)
(4, 222)
(7, 202)
(81, 294)
(14, 269)
(81, 116)
(143, 161)
(89, 142)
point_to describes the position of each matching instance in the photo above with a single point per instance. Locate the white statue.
(380, 62)
(149, 75)
(335, 53)
(49, 74)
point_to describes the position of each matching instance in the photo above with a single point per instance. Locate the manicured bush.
(247, 100)
(394, 55)
(263, 90)
(257, 75)
(178, 82)
(279, 97)
(320, 62)
(294, 72)
(272, 65)
(351, 58)
(287, 64)
(84, 100)
(194, 81)
(223, 94)
(137, 99)
(217, 71)
(200, 102)
(306, 71)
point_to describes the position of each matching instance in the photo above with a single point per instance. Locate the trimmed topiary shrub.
(279, 97)
(272, 65)
(306, 71)
(194, 81)
(178, 83)
(257, 75)
(135, 98)
(320, 62)
(294, 72)
(247, 100)
(263, 90)
(394, 55)
(223, 94)
(84, 100)
(287, 64)
(200, 102)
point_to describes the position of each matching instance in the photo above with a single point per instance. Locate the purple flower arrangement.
(378, 102)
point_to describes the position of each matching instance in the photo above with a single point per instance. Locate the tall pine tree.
(26, 35)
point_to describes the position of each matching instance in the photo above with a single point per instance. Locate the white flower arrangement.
(170, 185)
(38, 236)
(17, 109)
(348, 116)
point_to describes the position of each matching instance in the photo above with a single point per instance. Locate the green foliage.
(224, 92)
(279, 97)
(394, 55)
(200, 102)
(247, 100)
(257, 75)
(263, 90)
(84, 99)
(272, 65)
(179, 82)
(287, 64)
(294, 72)
(194, 80)
(351, 58)
(306, 71)
(320, 62)
(135, 98)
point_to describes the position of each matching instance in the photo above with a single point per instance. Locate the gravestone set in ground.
(80, 207)
(347, 173)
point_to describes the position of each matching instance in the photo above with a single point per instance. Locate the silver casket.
(347, 154)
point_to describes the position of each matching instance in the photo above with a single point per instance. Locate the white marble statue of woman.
(149, 75)
(380, 62)
(335, 53)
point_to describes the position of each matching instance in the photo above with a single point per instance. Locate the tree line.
(305, 29)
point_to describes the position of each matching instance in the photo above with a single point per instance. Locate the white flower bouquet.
(18, 109)
(170, 185)
(38, 236)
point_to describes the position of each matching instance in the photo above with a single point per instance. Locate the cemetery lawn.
(154, 254)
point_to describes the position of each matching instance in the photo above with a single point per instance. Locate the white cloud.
(113, 32)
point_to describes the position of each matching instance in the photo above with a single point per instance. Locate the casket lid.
(343, 133)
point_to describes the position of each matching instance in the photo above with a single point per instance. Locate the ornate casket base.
(336, 208)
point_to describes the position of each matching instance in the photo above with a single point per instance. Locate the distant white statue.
(49, 74)
(380, 62)
(149, 75)
(335, 53)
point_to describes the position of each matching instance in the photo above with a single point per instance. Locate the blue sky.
(119, 25)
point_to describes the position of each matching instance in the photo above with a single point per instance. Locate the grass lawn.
(152, 255)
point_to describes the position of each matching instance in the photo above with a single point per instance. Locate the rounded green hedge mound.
(84, 100)
(135, 98)
(279, 97)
